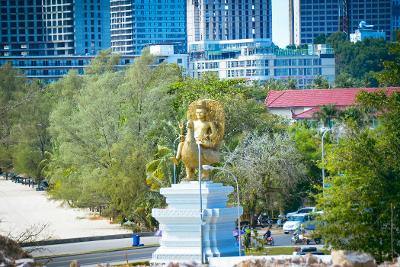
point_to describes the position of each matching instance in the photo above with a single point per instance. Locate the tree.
(390, 75)
(361, 207)
(104, 62)
(336, 40)
(320, 82)
(361, 59)
(308, 145)
(326, 114)
(158, 171)
(274, 84)
(268, 166)
(320, 39)
(105, 128)
(29, 134)
(345, 80)
(14, 93)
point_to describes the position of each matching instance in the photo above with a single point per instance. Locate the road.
(88, 247)
(282, 240)
(93, 259)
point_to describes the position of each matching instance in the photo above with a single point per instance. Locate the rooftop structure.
(366, 31)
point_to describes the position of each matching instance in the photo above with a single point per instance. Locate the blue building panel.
(138, 23)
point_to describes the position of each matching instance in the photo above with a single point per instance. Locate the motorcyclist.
(268, 237)
(268, 233)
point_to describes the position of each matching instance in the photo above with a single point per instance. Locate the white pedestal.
(181, 224)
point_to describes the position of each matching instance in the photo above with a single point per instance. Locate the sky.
(280, 22)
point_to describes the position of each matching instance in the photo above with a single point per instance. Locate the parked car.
(294, 221)
(302, 210)
(311, 250)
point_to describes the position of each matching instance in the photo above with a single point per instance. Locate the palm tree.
(158, 170)
(354, 114)
(326, 114)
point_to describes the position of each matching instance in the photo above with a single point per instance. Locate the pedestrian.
(247, 238)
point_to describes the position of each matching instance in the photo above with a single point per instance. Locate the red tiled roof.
(308, 114)
(317, 97)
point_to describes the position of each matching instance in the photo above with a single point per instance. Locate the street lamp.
(201, 206)
(210, 168)
(323, 157)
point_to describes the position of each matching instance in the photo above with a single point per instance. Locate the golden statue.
(205, 126)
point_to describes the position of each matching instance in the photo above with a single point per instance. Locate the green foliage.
(345, 80)
(320, 82)
(158, 171)
(273, 84)
(13, 94)
(320, 39)
(268, 166)
(326, 114)
(30, 133)
(104, 62)
(390, 75)
(360, 60)
(105, 128)
(308, 145)
(361, 208)
(24, 119)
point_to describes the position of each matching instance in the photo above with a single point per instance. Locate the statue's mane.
(215, 114)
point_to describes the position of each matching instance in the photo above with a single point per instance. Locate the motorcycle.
(264, 220)
(269, 241)
(299, 239)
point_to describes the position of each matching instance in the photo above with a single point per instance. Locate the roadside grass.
(138, 263)
(270, 251)
(277, 251)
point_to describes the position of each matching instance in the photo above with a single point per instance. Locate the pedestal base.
(185, 237)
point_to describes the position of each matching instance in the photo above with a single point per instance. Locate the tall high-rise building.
(137, 23)
(395, 17)
(49, 27)
(58, 20)
(311, 18)
(228, 20)
(92, 26)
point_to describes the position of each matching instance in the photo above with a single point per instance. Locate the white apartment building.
(261, 60)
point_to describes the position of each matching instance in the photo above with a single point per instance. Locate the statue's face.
(200, 114)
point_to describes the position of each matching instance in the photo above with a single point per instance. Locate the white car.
(294, 221)
(302, 210)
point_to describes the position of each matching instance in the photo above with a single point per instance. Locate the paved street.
(90, 246)
(131, 254)
(103, 257)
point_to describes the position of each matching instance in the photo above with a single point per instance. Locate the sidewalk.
(90, 246)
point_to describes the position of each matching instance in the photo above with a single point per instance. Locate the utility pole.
(391, 230)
